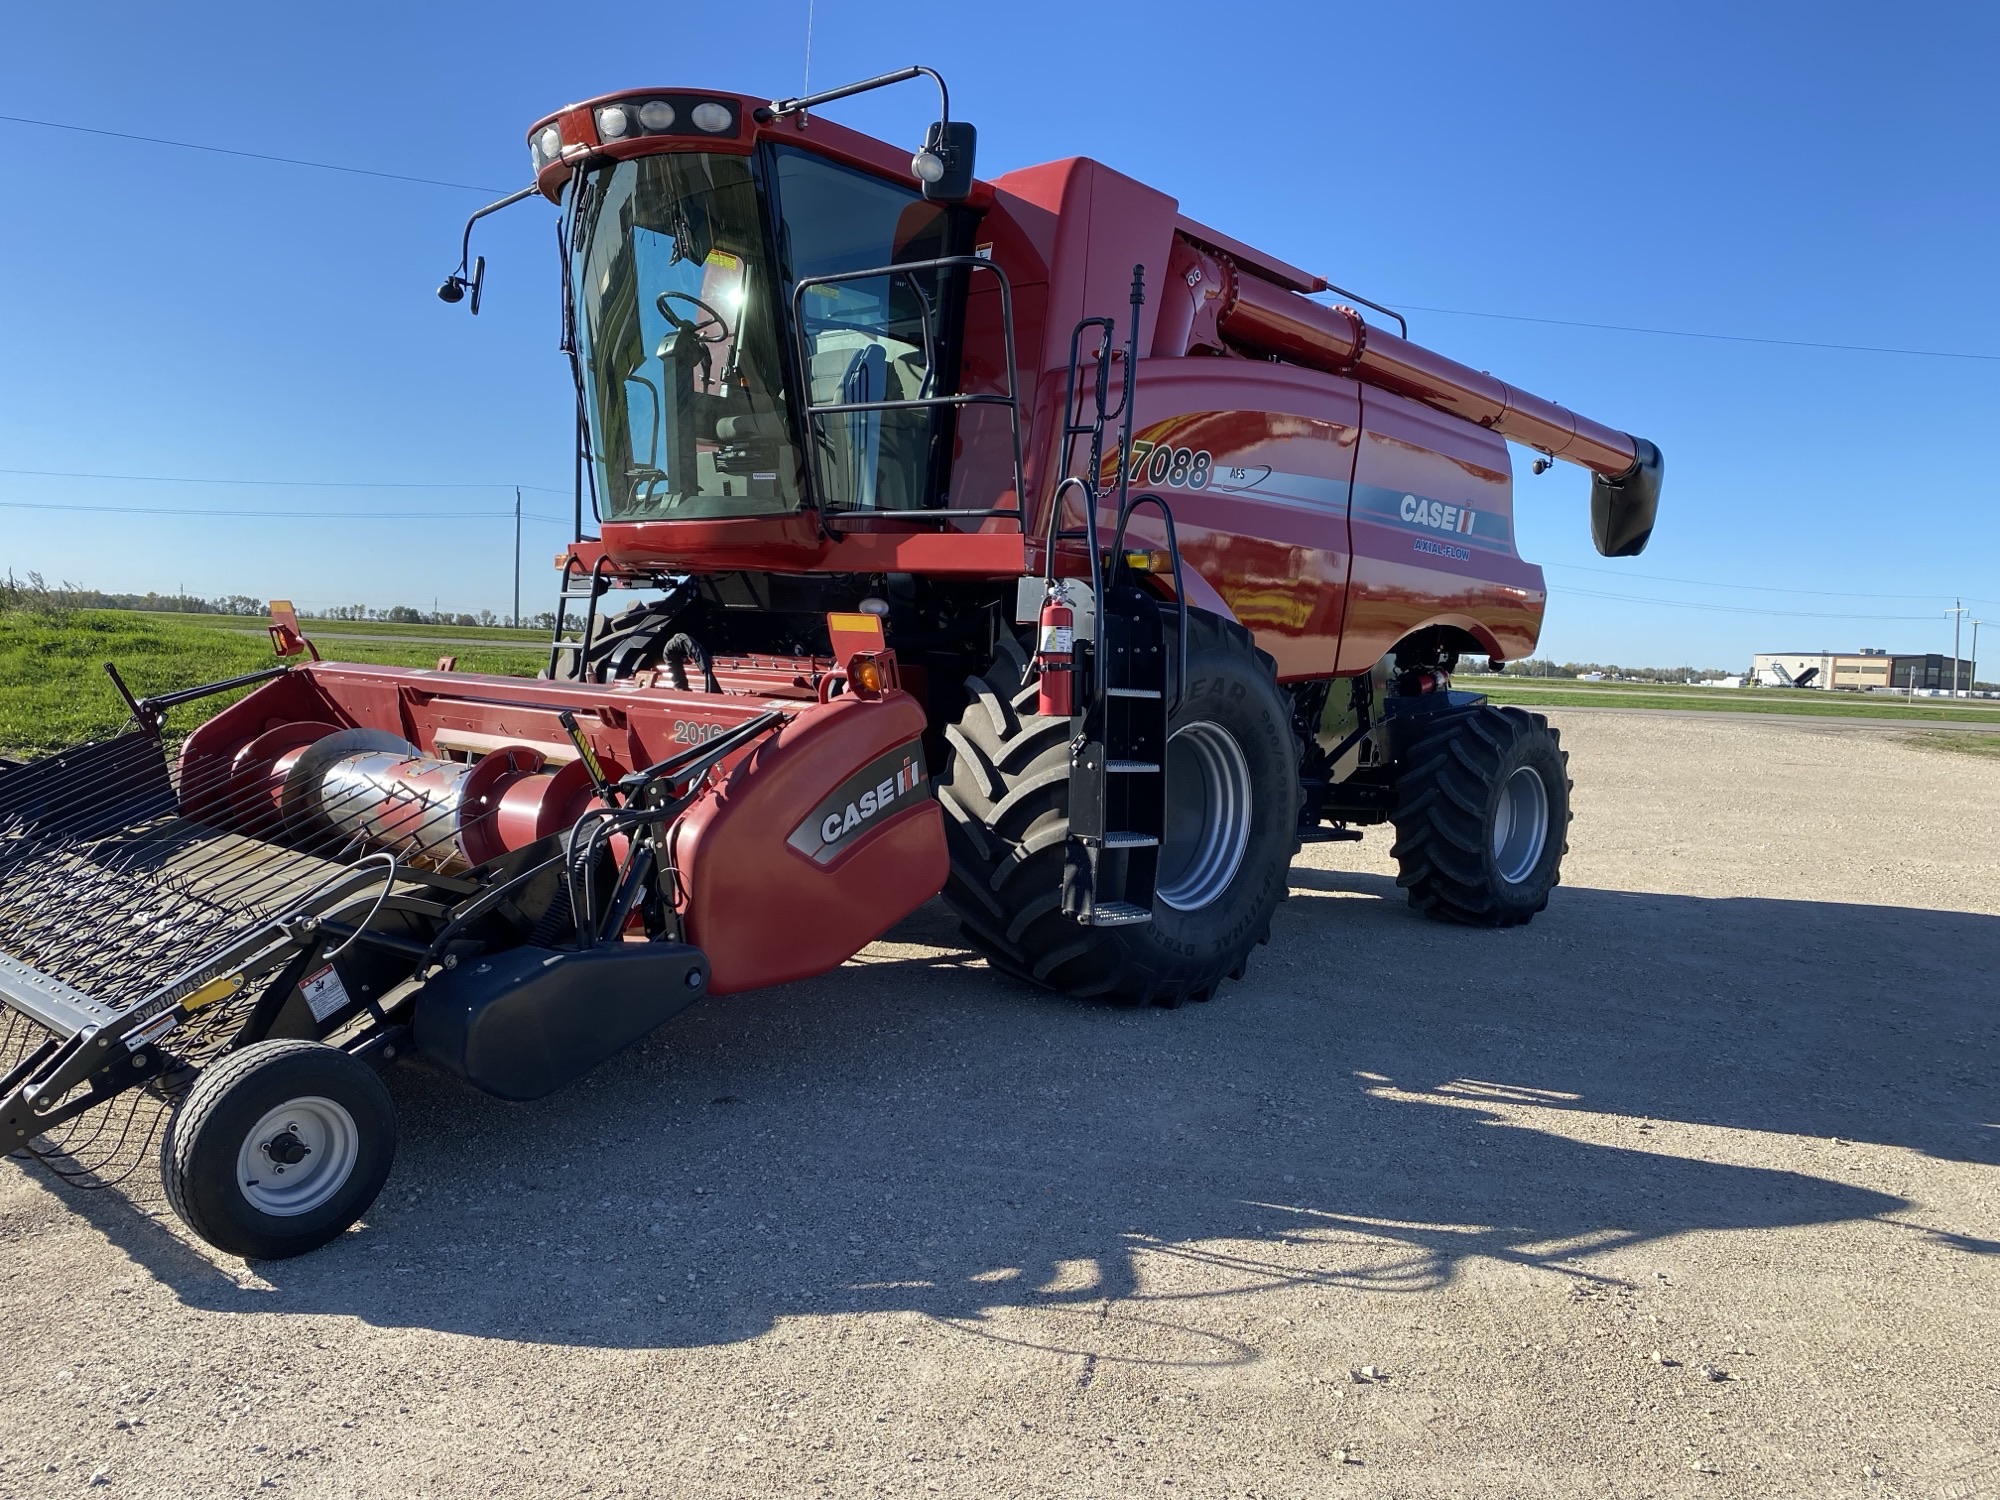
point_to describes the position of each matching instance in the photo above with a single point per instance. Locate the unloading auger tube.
(1261, 317)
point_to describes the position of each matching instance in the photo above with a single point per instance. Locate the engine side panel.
(1433, 535)
(1256, 462)
(1333, 520)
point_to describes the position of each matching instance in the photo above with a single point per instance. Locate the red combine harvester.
(1023, 540)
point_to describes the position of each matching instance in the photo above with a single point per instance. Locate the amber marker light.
(864, 675)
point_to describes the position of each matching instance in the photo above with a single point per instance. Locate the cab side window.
(875, 338)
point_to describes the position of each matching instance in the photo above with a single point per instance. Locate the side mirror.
(944, 165)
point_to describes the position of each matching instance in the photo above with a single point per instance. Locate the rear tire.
(279, 1148)
(1482, 817)
(1222, 872)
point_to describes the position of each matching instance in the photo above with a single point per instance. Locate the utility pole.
(516, 622)
(1974, 670)
(1957, 613)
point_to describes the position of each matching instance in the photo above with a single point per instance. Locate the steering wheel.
(709, 328)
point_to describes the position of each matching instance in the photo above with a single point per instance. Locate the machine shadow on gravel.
(1814, 1018)
(919, 1135)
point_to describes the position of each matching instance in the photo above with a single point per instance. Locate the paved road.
(1728, 1106)
(1778, 718)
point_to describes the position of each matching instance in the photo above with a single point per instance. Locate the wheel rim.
(1208, 815)
(298, 1156)
(1520, 824)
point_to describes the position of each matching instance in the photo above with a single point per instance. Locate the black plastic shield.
(1622, 509)
(523, 1023)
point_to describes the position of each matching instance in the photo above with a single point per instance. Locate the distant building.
(1933, 671)
(1858, 671)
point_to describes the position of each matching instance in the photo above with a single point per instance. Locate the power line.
(1450, 312)
(302, 484)
(289, 161)
(1734, 609)
(291, 515)
(1686, 333)
(1754, 588)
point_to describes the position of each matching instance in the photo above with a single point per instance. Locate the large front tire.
(1232, 829)
(1482, 817)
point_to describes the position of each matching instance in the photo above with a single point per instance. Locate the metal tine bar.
(290, 828)
(203, 909)
(75, 1175)
(178, 851)
(83, 795)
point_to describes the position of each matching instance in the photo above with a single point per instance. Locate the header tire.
(276, 1108)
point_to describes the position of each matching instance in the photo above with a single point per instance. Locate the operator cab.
(683, 268)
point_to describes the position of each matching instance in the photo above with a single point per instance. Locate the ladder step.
(1130, 841)
(1131, 693)
(1131, 768)
(1118, 914)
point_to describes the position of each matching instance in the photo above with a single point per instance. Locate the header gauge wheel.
(279, 1148)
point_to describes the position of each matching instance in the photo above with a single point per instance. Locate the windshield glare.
(679, 342)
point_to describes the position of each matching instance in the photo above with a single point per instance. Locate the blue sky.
(1823, 173)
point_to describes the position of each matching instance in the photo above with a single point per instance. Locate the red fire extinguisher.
(1055, 656)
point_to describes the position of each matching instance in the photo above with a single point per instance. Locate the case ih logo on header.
(858, 803)
(1439, 516)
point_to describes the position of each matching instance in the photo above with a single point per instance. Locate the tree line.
(35, 595)
(1543, 667)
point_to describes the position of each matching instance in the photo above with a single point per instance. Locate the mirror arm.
(779, 108)
(458, 283)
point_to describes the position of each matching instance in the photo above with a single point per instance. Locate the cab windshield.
(679, 318)
(677, 330)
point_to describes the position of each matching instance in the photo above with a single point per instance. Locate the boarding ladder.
(1128, 682)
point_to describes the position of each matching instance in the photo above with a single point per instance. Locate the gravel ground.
(1689, 1189)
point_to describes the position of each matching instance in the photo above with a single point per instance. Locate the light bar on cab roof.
(545, 146)
(632, 118)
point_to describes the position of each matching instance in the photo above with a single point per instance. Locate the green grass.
(1562, 692)
(54, 691)
(1987, 745)
(339, 629)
